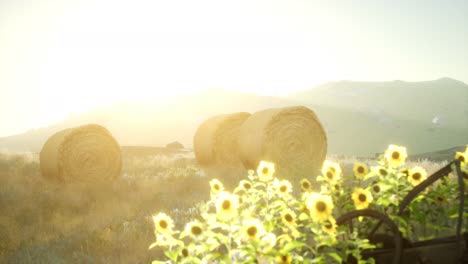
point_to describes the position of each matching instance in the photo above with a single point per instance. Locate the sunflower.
(306, 186)
(376, 189)
(320, 206)
(226, 205)
(253, 229)
(184, 252)
(329, 225)
(194, 229)
(417, 175)
(395, 155)
(282, 187)
(360, 170)
(381, 171)
(362, 198)
(405, 171)
(265, 171)
(245, 185)
(288, 217)
(283, 259)
(216, 186)
(440, 199)
(163, 223)
(461, 156)
(331, 170)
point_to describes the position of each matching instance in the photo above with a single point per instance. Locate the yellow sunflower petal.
(320, 206)
(163, 223)
(361, 198)
(417, 175)
(226, 205)
(395, 155)
(265, 171)
(360, 170)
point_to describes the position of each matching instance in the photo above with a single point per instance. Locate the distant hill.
(442, 102)
(424, 116)
(151, 124)
(440, 155)
(360, 118)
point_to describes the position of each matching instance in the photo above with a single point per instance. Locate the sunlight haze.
(65, 57)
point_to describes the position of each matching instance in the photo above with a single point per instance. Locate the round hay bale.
(176, 145)
(85, 154)
(291, 137)
(215, 146)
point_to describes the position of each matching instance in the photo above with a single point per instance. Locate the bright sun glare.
(108, 51)
(62, 57)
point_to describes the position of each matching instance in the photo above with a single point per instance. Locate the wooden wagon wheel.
(443, 172)
(383, 219)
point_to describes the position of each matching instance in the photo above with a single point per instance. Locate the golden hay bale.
(83, 154)
(215, 146)
(216, 140)
(291, 137)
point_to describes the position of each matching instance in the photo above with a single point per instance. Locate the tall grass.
(45, 222)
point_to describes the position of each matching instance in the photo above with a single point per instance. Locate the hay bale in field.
(176, 145)
(291, 137)
(83, 154)
(215, 146)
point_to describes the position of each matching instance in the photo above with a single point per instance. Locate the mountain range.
(360, 118)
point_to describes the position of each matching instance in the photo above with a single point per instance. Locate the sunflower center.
(461, 158)
(360, 169)
(328, 225)
(283, 188)
(362, 197)
(247, 186)
(252, 231)
(216, 187)
(337, 187)
(376, 188)
(288, 218)
(163, 224)
(305, 185)
(321, 206)
(265, 170)
(395, 155)
(185, 252)
(196, 230)
(226, 205)
(417, 176)
(284, 258)
(329, 175)
(383, 172)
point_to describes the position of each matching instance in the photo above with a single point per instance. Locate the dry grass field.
(45, 222)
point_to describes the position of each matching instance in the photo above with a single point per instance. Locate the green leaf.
(172, 255)
(303, 217)
(335, 256)
(292, 245)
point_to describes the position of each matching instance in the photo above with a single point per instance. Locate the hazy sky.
(59, 57)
